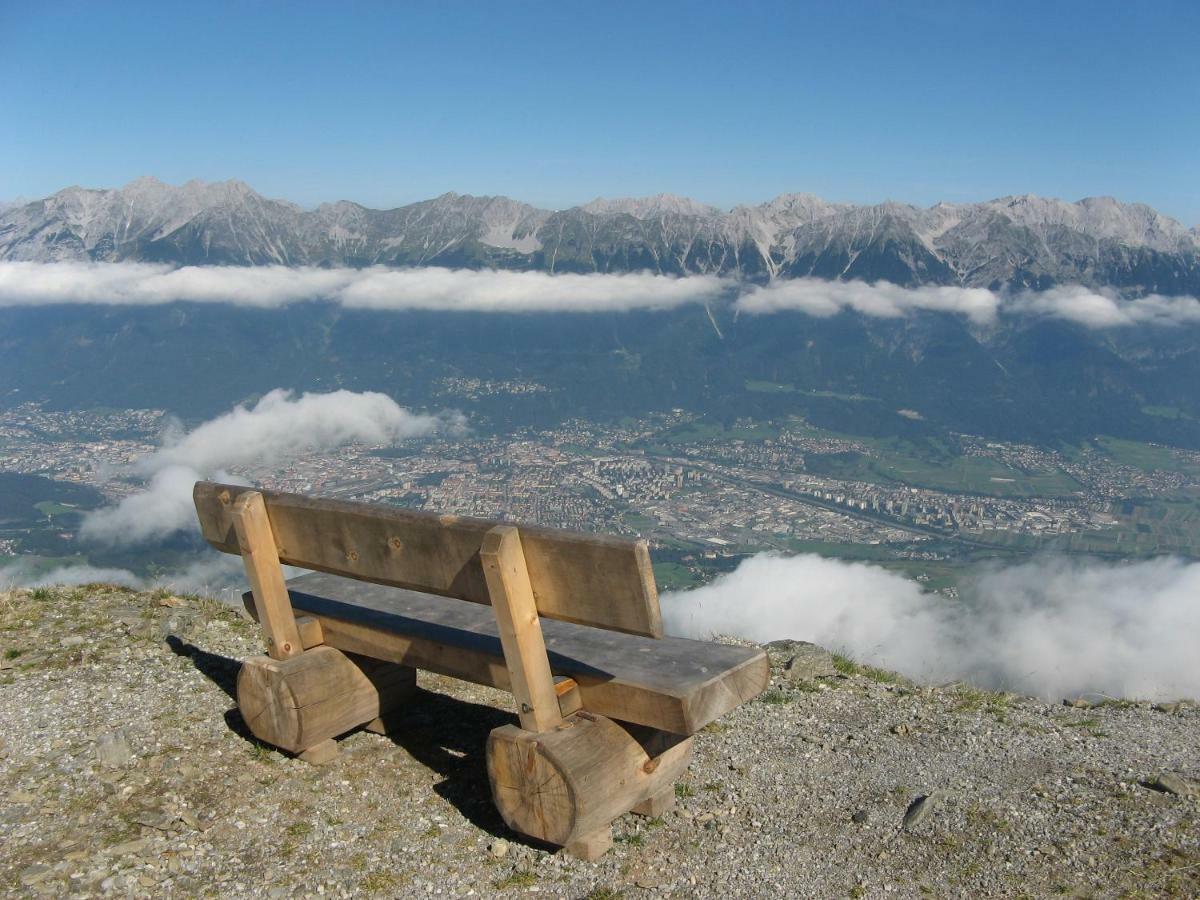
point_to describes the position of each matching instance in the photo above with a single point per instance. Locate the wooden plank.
(310, 632)
(673, 684)
(586, 578)
(256, 544)
(520, 629)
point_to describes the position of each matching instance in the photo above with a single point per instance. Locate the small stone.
(903, 729)
(112, 749)
(919, 810)
(1170, 783)
(1077, 703)
(73, 640)
(153, 818)
(861, 817)
(808, 661)
(130, 847)
(498, 848)
(1174, 708)
(34, 874)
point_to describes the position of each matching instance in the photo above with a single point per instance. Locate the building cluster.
(474, 388)
(665, 477)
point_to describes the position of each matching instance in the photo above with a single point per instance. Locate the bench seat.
(672, 684)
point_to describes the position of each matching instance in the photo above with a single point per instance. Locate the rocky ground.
(125, 770)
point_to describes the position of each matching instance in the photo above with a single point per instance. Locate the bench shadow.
(221, 671)
(445, 734)
(449, 736)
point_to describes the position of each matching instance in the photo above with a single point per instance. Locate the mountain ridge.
(1018, 241)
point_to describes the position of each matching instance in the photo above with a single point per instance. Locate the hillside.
(125, 770)
(1038, 381)
(1012, 242)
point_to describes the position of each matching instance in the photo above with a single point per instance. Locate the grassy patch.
(603, 892)
(996, 704)
(774, 698)
(517, 880)
(847, 666)
(378, 882)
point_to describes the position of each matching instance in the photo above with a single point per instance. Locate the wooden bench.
(606, 704)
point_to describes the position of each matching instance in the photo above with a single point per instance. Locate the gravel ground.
(125, 770)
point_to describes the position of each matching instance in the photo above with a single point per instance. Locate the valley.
(705, 495)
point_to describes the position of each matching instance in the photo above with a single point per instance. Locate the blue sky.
(556, 103)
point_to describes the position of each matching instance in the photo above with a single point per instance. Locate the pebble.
(112, 749)
(1170, 783)
(920, 810)
(499, 848)
(808, 662)
(1174, 708)
(861, 817)
(34, 874)
(128, 848)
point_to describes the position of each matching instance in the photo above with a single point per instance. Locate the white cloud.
(464, 290)
(1073, 303)
(880, 300)
(21, 574)
(279, 427)
(1054, 628)
(1106, 309)
(216, 575)
(498, 291)
(32, 284)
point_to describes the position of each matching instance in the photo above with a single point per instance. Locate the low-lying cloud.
(492, 291)
(462, 290)
(1093, 308)
(1051, 627)
(277, 428)
(879, 300)
(216, 575)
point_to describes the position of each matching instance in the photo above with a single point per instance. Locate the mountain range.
(1011, 242)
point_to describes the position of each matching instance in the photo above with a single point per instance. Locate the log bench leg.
(567, 785)
(320, 754)
(300, 704)
(660, 804)
(592, 846)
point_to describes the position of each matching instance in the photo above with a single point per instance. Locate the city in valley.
(704, 495)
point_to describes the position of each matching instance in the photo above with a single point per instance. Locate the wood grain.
(520, 630)
(567, 785)
(256, 544)
(299, 702)
(672, 684)
(585, 578)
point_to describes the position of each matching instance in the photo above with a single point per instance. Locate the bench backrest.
(591, 579)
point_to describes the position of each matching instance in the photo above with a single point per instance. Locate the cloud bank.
(879, 300)
(465, 290)
(278, 428)
(1052, 627)
(1092, 308)
(216, 575)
